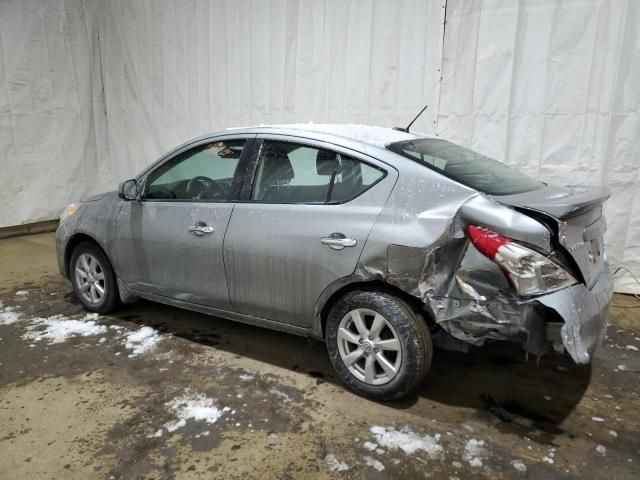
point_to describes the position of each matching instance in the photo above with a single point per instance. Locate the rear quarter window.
(353, 178)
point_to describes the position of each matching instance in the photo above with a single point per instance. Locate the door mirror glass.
(128, 190)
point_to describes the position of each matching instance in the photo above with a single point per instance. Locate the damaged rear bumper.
(574, 317)
(584, 313)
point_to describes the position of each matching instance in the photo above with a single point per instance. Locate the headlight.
(69, 211)
(529, 272)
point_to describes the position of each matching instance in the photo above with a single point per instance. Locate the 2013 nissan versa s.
(380, 242)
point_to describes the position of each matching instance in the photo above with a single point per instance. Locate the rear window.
(466, 166)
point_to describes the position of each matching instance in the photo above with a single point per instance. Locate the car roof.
(355, 136)
(366, 134)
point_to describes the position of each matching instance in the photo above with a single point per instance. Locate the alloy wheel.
(90, 278)
(369, 346)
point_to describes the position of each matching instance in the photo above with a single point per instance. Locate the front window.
(203, 173)
(466, 166)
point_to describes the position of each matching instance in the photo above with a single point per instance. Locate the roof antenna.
(406, 129)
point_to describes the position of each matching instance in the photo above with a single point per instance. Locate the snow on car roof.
(372, 135)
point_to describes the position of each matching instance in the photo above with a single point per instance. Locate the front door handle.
(200, 228)
(337, 241)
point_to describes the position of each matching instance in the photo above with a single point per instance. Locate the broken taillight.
(530, 272)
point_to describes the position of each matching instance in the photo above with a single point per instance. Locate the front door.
(303, 226)
(170, 242)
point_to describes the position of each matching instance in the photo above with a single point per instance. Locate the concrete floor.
(260, 404)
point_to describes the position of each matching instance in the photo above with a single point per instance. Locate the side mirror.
(128, 190)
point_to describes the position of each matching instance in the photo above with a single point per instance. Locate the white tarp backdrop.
(552, 87)
(93, 90)
(51, 109)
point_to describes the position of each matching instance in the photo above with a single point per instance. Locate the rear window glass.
(467, 167)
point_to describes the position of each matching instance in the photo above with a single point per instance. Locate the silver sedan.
(378, 241)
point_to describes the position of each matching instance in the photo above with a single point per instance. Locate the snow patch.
(632, 347)
(58, 328)
(334, 464)
(280, 394)
(549, 458)
(192, 406)
(473, 452)
(601, 449)
(22, 292)
(8, 315)
(141, 341)
(597, 419)
(245, 377)
(370, 446)
(372, 462)
(519, 465)
(407, 441)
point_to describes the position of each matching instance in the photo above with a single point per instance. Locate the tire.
(102, 275)
(404, 328)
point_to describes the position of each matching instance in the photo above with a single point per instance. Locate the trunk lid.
(577, 212)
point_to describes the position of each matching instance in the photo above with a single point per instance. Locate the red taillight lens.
(486, 241)
(530, 272)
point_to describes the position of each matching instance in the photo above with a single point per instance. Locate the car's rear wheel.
(378, 344)
(93, 279)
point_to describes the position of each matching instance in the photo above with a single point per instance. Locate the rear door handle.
(337, 241)
(200, 228)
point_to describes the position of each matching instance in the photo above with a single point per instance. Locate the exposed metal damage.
(470, 298)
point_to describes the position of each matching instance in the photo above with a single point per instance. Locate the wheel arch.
(75, 240)
(373, 285)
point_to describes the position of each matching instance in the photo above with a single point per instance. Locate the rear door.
(302, 224)
(170, 242)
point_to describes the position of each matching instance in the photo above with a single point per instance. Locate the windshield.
(466, 166)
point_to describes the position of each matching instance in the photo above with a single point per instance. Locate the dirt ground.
(157, 392)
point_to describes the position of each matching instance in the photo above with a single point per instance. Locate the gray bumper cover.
(584, 313)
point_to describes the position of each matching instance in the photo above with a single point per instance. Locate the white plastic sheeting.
(91, 91)
(51, 114)
(177, 69)
(552, 87)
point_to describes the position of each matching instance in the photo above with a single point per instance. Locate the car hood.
(96, 197)
(576, 214)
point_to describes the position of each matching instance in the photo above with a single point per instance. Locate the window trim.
(176, 156)
(250, 178)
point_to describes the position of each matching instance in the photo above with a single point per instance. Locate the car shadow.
(496, 381)
(523, 394)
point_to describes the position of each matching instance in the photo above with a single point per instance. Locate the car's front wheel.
(378, 344)
(93, 279)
